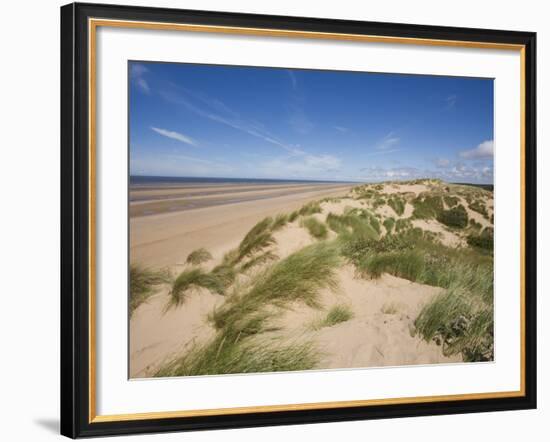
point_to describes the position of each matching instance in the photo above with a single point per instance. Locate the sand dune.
(381, 330)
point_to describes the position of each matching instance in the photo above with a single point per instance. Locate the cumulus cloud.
(457, 173)
(175, 136)
(395, 173)
(484, 150)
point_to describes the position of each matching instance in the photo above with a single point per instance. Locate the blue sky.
(243, 122)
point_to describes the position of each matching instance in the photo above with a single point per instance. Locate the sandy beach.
(214, 216)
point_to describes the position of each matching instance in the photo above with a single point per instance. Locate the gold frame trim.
(93, 24)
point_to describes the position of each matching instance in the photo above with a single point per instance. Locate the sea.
(142, 180)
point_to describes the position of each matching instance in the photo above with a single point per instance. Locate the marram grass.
(191, 280)
(336, 315)
(298, 277)
(316, 228)
(198, 256)
(143, 283)
(226, 355)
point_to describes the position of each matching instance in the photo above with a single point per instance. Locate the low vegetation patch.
(397, 204)
(460, 322)
(198, 256)
(450, 201)
(389, 224)
(402, 225)
(336, 315)
(258, 260)
(479, 207)
(483, 241)
(297, 278)
(427, 206)
(229, 354)
(389, 309)
(316, 228)
(457, 217)
(143, 283)
(190, 280)
(474, 225)
(258, 238)
(355, 222)
(279, 222)
(310, 208)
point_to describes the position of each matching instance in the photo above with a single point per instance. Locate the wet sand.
(166, 223)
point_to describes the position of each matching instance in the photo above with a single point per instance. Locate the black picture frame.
(75, 221)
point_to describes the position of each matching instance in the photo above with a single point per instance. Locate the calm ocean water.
(139, 180)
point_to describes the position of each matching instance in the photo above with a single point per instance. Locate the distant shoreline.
(151, 180)
(146, 180)
(154, 198)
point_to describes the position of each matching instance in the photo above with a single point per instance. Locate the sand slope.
(379, 334)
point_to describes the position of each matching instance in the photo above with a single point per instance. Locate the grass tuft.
(482, 241)
(457, 217)
(226, 355)
(459, 322)
(299, 277)
(198, 256)
(389, 224)
(310, 208)
(336, 315)
(451, 201)
(479, 207)
(258, 238)
(279, 222)
(315, 227)
(262, 259)
(427, 206)
(397, 204)
(143, 283)
(193, 279)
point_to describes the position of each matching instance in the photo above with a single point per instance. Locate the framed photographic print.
(279, 220)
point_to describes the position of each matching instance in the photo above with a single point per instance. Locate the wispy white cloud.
(389, 141)
(341, 129)
(217, 111)
(296, 161)
(382, 152)
(299, 120)
(451, 101)
(484, 150)
(442, 162)
(305, 167)
(175, 136)
(293, 79)
(137, 75)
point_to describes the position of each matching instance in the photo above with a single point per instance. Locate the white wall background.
(29, 219)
